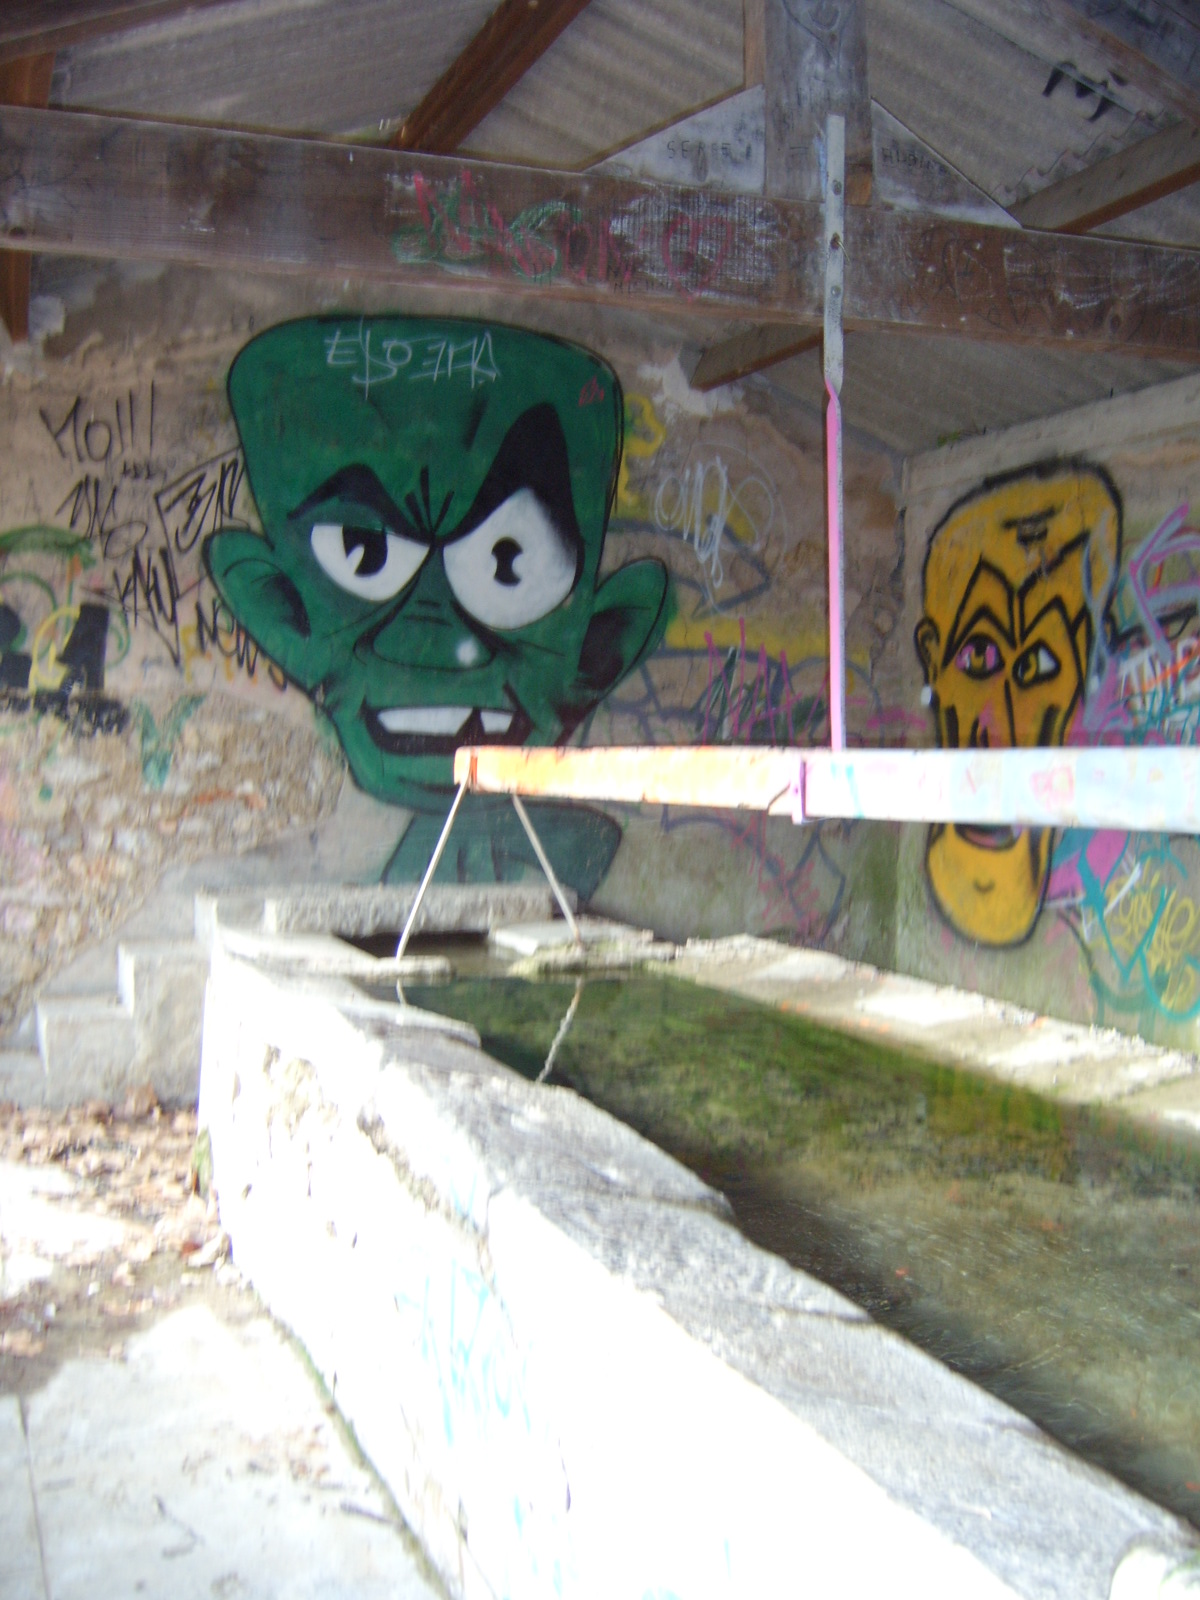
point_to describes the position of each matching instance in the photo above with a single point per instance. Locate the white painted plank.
(1148, 789)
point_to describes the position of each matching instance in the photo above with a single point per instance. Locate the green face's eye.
(514, 567)
(372, 563)
(1038, 664)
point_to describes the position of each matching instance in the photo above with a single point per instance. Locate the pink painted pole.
(837, 570)
(835, 273)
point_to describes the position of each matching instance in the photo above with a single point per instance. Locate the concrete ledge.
(447, 908)
(575, 1376)
(1066, 1061)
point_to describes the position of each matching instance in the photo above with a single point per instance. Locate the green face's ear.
(263, 598)
(629, 618)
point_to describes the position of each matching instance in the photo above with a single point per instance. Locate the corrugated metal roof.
(319, 66)
(913, 392)
(978, 80)
(623, 68)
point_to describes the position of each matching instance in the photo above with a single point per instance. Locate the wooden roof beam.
(1154, 167)
(518, 33)
(121, 188)
(32, 27)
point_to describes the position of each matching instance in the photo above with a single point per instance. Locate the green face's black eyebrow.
(358, 485)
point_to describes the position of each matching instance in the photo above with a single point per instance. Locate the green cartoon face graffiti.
(434, 497)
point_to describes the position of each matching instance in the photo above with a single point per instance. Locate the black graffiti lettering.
(83, 654)
(221, 631)
(94, 431)
(201, 502)
(14, 664)
(1085, 88)
(94, 440)
(67, 425)
(92, 506)
(149, 591)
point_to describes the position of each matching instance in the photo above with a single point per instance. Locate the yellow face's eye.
(1037, 664)
(979, 657)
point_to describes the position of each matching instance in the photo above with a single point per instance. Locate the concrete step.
(86, 1043)
(161, 985)
(22, 1077)
(92, 972)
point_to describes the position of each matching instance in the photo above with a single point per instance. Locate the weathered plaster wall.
(198, 601)
(1059, 603)
(185, 655)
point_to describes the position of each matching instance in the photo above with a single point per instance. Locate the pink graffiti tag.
(1170, 538)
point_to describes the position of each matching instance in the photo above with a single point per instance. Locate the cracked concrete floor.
(158, 1433)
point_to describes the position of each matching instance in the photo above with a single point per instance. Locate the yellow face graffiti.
(1017, 579)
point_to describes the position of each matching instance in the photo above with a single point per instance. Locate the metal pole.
(835, 282)
(544, 859)
(431, 869)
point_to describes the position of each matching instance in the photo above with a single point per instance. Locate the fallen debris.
(107, 1217)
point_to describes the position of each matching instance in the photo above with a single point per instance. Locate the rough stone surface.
(86, 1046)
(84, 838)
(542, 1329)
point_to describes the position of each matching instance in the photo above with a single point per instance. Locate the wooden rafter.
(518, 33)
(750, 352)
(32, 27)
(23, 82)
(112, 187)
(1148, 170)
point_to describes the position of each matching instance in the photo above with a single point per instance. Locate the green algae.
(1051, 1253)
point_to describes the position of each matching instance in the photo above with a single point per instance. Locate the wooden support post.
(813, 54)
(816, 66)
(754, 48)
(23, 82)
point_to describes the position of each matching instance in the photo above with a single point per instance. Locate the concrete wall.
(1052, 569)
(185, 660)
(184, 664)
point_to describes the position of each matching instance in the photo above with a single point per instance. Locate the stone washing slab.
(528, 938)
(575, 1375)
(446, 908)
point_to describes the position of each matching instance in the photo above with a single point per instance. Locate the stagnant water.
(1049, 1253)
